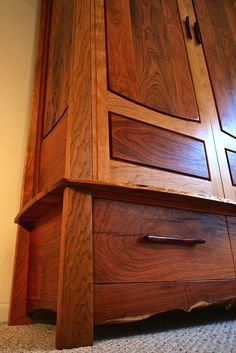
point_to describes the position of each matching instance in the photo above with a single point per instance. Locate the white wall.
(18, 27)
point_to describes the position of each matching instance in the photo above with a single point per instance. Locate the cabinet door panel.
(58, 66)
(231, 158)
(217, 21)
(148, 145)
(147, 59)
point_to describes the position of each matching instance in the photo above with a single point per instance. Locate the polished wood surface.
(231, 221)
(147, 59)
(144, 144)
(110, 170)
(142, 71)
(231, 157)
(133, 299)
(217, 21)
(75, 294)
(123, 255)
(30, 183)
(44, 252)
(53, 155)
(58, 63)
(79, 163)
(53, 195)
(18, 302)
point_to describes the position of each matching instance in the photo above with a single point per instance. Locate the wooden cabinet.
(132, 136)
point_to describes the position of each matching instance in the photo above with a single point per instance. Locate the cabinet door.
(147, 57)
(153, 94)
(217, 22)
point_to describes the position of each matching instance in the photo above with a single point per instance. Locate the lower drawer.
(122, 253)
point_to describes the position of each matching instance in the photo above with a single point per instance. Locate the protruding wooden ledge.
(51, 196)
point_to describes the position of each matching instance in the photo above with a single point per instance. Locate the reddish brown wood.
(231, 158)
(44, 251)
(35, 305)
(53, 155)
(141, 143)
(51, 196)
(30, 184)
(115, 301)
(79, 142)
(217, 21)
(122, 254)
(147, 59)
(232, 233)
(75, 294)
(58, 65)
(17, 311)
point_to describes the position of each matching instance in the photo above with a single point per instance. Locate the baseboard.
(4, 308)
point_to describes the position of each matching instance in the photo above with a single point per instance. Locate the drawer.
(122, 252)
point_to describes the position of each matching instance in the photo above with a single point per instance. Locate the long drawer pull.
(173, 240)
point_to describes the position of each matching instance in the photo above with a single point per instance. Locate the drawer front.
(122, 253)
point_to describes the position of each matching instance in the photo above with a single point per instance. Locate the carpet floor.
(206, 331)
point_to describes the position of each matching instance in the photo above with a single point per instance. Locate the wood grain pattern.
(58, 65)
(44, 252)
(147, 59)
(79, 139)
(30, 183)
(53, 155)
(52, 196)
(231, 221)
(115, 301)
(217, 21)
(231, 158)
(75, 295)
(123, 255)
(133, 141)
(18, 301)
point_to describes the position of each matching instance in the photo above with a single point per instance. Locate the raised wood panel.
(44, 252)
(58, 66)
(232, 232)
(122, 254)
(137, 142)
(53, 155)
(129, 300)
(217, 21)
(231, 158)
(147, 60)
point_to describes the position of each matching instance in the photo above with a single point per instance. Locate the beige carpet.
(201, 332)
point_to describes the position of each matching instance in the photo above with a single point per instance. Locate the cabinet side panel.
(53, 155)
(217, 21)
(30, 186)
(58, 65)
(44, 254)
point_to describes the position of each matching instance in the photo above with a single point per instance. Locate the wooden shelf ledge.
(53, 195)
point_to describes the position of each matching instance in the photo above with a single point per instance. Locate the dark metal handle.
(197, 33)
(173, 240)
(188, 29)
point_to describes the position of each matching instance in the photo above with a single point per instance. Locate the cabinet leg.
(75, 294)
(18, 302)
